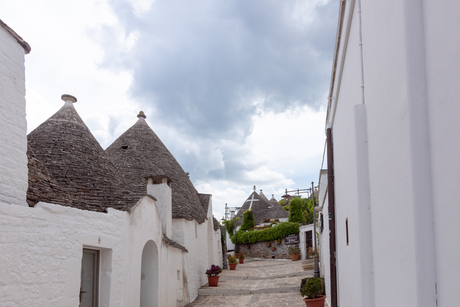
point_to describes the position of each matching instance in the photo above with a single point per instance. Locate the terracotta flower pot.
(241, 260)
(269, 244)
(294, 257)
(316, 302)
(273, 248)
(278, 242)
(233, 266)
(213, 280)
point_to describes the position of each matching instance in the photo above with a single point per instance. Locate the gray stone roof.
(78, 164)
(173, 243)
(205, 198)
(42, 185)
(215, 223)
(261, 209)
(139, 153)
(273, 200)
(262, 195)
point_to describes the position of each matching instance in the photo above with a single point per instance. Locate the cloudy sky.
(235, 89)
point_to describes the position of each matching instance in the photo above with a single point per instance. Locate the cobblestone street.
(257, 282)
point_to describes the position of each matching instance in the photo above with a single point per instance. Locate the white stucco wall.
(325, 264)
(408, 131)
(193, 236)
(13, 126)
(42, 250)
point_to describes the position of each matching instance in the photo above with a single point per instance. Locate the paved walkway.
(257, 282)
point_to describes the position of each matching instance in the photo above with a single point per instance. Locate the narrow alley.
(258, 283)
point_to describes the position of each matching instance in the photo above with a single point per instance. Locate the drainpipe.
(331, 212)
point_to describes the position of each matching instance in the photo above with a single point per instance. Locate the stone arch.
(149, 275)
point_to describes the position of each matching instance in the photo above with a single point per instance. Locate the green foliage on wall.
(248, 220)
(230, 225)
(270, 234)
(296, 212)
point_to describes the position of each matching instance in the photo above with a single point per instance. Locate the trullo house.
(80, 226)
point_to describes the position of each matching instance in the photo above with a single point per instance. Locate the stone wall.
(261, 250)
(13, 126)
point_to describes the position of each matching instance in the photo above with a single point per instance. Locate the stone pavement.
(257, 282)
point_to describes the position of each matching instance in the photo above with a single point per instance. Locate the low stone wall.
(260, 250)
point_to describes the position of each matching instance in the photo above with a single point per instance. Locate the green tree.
(307, 208)
(296, 212)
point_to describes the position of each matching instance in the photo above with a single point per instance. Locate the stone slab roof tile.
(261, 209)
(77, 162)
(173, 243)
(139, 153)
(204, 199)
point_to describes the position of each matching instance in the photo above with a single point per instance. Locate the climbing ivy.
(270, 234)
(248, 220)
(295, 211)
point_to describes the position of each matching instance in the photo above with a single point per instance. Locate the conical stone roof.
(139, 153)
(77, 162)
(261, 209)
(42, 185)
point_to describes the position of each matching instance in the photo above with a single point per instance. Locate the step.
(206, 291)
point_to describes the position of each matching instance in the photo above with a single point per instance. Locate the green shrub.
(248, 220)
(295, 211)
(230, 225)
(270, 234)
(294, 250)
(232, 259)
(313, 287)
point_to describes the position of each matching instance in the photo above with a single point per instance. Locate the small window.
(346, 229)
(124, 146)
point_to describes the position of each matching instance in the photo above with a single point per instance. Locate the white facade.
(393, 115)
(13, 126)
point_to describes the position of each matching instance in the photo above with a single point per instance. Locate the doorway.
(89, 282)
(308, 242)
(149, 275)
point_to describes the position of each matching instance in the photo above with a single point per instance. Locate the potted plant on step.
(241, 257)
(294, 251)
(232, 262)
(273, 248)
(213, 275)
(313, 289)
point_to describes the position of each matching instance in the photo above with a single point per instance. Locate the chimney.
(69, 98)
(160, 188)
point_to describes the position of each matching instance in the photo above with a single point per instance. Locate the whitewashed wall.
(325, 264)
(193, 236)
(395, 156)
(443, 74)
(13, 126)
(42, 251)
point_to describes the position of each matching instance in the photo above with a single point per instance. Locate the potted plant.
(232, 262)
(294, 251)
(269, 244)
(213, 275)
(241, 257)
(278, 241)
(273, 248)
(248, 246)
(313, 289)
